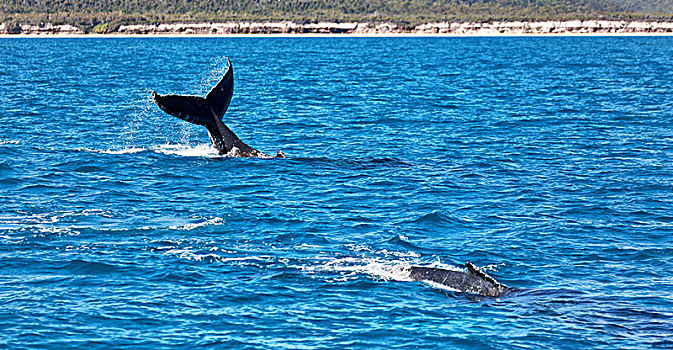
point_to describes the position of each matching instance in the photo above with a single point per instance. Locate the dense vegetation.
(661, 7)
(107, 14)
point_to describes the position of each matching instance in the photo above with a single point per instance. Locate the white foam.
(56, 223)
(191, 226)
(184, 227)
(248, 258)
(233, 152)
(386, 270)
(393, 266)
(491, 267)
(359, 248)
(187, 254)
(125, 151)
(60, 223)
(203, 150)
(185, 150)
(305, 246)
(9, 142)
(41, 230)
(113, 151)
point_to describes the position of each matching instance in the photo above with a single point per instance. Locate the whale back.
(473, 281)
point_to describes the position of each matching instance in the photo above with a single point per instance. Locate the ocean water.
(546, 161)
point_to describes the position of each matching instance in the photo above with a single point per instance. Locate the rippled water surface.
(547, 161)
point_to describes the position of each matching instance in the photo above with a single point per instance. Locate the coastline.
(351, 29)
(309, 35)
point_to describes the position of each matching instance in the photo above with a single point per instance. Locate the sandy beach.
(331, 29)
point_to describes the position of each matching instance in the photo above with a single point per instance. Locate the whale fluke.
(473, 281)
(208, 112)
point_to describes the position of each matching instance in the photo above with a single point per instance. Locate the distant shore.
(287, 28)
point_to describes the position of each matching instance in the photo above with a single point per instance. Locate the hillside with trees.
(112, 13)
(652, 7)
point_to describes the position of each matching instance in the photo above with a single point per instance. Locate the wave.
(193, 225)
(88, 169)
(83, 267)
(403, 241)
(444, 218)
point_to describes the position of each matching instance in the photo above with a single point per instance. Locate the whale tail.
(199, 110)
(208, 112)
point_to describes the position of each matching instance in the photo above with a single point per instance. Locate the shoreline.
(315, 35)
(351, 29)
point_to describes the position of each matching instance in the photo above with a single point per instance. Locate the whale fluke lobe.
(219, 96)
(208, 112)
(193, 109)
(473, 281)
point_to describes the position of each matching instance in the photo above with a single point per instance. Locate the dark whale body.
(208, 112)
(473, 281)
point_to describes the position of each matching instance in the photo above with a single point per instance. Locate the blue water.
(546, 161)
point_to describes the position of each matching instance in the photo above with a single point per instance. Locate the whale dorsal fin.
(219, 96)
(483, 275)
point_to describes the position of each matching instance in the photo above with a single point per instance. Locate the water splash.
(203, 150)
(379, 264)
(142, 114)
(140, 130)
(378, 268)
(218, 67)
